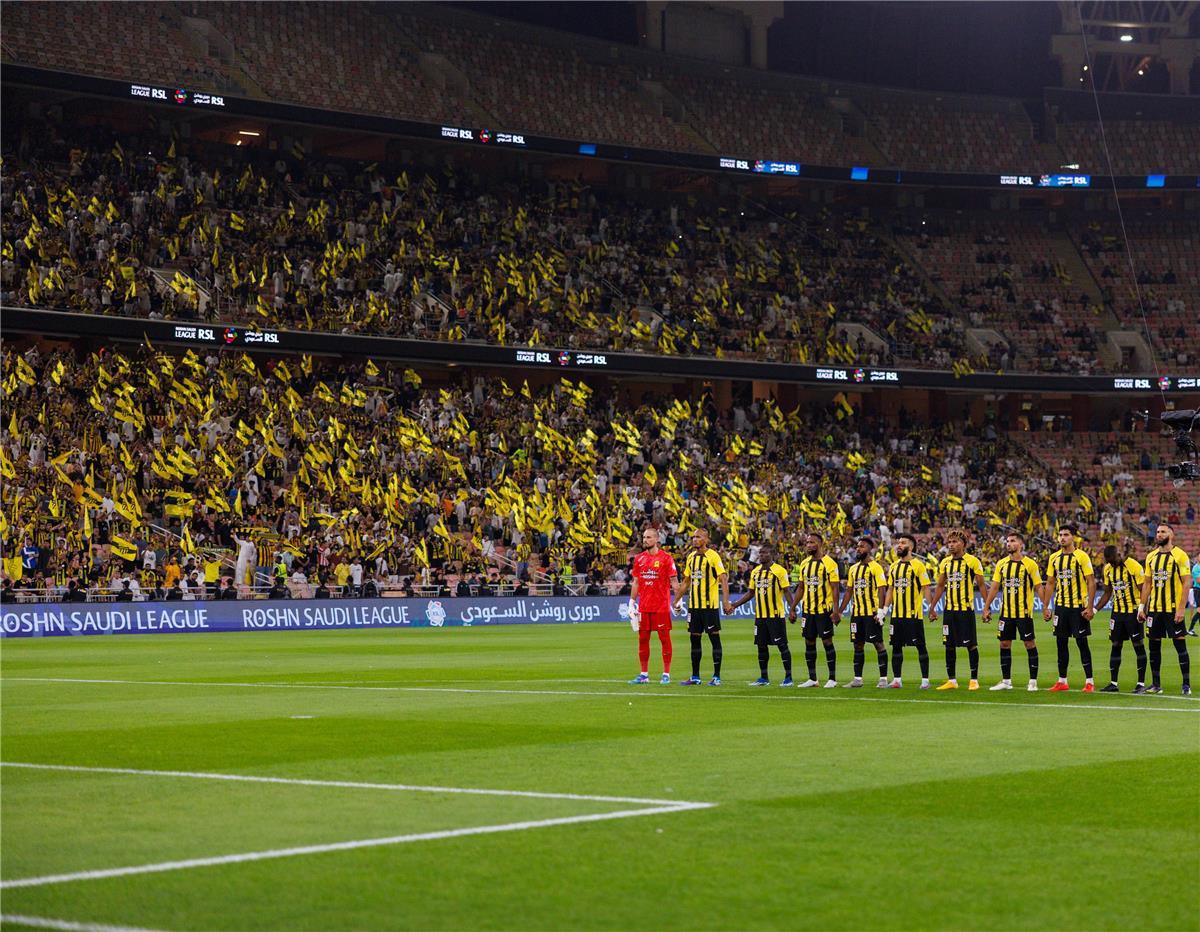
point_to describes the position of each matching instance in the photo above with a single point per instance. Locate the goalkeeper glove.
(881, 615)
(635, 617)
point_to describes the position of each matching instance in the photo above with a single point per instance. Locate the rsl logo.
(181, 96)
(230, 334)
(435, 614)
(564, 358)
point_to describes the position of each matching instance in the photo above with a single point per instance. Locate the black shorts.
(864, 628)
(818, 626)
(1163, 625)
(701, 620)
(1014, 629)
(1070, 623)
(768, 631)
(1124, 626)
(958, 629)
(907, 632)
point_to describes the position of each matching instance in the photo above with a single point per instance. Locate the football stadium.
(538, 465)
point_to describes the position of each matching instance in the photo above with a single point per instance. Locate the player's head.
(863, 548)
(1066, 536)
(956, 540)
(812, 544)
(650, 538)
(766, 554)
(1014, 542)
(905, 545)
(1113, 555)
(700, 538)
(1164, 536)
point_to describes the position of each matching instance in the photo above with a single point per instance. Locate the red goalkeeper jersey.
(654, 572)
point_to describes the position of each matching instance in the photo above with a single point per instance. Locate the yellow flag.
(124, 549)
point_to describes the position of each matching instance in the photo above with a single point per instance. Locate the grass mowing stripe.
(67, 925)
(276, 853)
(931, 702)
(353, 785)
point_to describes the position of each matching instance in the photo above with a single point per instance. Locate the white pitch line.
(341, 846)
(350, 784)
(41, 922)
(632, 692)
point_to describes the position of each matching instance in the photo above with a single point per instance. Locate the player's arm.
(983, 594)
(723, 579)
(1184, 568)
(835, 588)
(1048, 592)
(989, 597)
(938, 590)
(740, 600)
(679, 592)
(839, 604)
(1145, 599)
(1106, 593)
(885, 595)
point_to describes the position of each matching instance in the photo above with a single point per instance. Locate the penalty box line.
(646, 693)
(646, 807)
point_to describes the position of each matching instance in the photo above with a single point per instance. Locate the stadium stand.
(917, 132)
(475, 478)
(1135, 146)
(1007, 275)
(1165, 254)
(136, 41)
(101, 231)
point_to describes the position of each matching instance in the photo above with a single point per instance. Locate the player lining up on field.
(959, 575)
(706, 584)
(1017, 577)
(1164, 596)
(1072, 582)
(1122, 583)
(908, 584)
(769, 585)
(650, 603)
(818, 594)
(865, 581)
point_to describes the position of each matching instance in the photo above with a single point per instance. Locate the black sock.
(763, 656)
(697, 653)
(715, 639)
(1114, 660)
(785, 654)
(951, 662)
(1139, 651)
(883, 661)
(1085, 655)
(858, 661)
(1156, 661)
(810, 658)
(831, 660)
(1033, 663)
(973, 657)
(1006, 663)
(897, 661)
(923, 660)
(1064, 657)
(1185, 661)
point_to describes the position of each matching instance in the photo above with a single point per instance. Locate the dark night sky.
(978, 47)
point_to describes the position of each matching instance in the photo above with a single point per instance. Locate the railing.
(56, 594)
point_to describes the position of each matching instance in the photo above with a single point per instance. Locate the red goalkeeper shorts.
(655, 621)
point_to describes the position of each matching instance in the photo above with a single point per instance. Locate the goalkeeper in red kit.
(650, 603)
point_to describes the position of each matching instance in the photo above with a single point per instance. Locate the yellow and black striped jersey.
(864, 581)
(908, 580)
(1069, 572)
(1125, 581)
(703, 572)
(1168, 571)
(769, 585)
(1017, 579)
(960, 574)
(817, 576)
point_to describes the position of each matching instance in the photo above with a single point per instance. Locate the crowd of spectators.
(145, 228)
(124, 464)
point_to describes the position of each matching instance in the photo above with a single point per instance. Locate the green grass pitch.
(829, 808)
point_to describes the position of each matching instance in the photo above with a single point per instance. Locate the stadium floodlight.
(1126, 37)
(249, 132)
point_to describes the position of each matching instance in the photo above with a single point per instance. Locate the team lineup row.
(1148, 602)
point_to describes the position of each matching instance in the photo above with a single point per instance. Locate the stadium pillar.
(722, 392)
(1081, 412)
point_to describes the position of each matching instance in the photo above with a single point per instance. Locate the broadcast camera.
(1182, 423)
